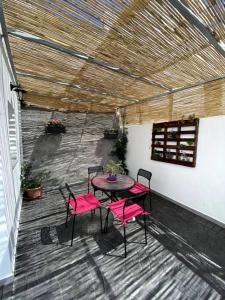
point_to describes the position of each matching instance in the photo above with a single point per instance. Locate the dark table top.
(123, 183)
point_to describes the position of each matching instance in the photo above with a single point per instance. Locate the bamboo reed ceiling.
(203, 100)
(100, 55)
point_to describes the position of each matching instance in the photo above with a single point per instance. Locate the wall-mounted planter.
(55, 126)
(52, 129)
(175, 142)
(111, 134)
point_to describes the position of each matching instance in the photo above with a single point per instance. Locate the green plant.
(185, 157)
(158, 143)
(112, 130)
(172, 134)
(181, 146)
(191, 117)
(120, 150)
(55, 126)
(114, 167)
(157, 154)
(29, 181)
(157, 129)
(190, 142)
(169, 154)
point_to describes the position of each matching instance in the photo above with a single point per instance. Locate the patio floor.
(184, 258)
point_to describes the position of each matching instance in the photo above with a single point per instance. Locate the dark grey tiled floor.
(184, 258)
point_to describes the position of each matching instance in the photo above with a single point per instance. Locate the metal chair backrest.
(95, 169)
(146, 174)
(62, 193)
(91, 170)
(135, 199)
(71, 195)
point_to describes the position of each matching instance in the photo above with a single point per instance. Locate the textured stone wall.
(66, 156)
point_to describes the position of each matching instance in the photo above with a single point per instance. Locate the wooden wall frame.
(175, 142)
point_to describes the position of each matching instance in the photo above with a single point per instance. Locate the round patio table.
(122, 184)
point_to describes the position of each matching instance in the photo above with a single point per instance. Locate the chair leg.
(145, 227)
(150, 198)
(106, 221)
(100, 210)
(125, 240)
(73, 230)
(93, 211)
(67, 214)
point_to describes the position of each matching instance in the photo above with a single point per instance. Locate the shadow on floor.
(177, 263)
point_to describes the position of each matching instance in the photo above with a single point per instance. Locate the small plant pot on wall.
(111, 134)
(55, 126)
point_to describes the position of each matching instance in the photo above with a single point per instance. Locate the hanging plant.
(55, 126)
(111, 134)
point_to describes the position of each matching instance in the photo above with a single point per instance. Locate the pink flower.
(55, 121)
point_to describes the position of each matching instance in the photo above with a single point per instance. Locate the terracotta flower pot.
(34, 193)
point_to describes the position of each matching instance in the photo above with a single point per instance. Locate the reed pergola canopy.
(102, 55)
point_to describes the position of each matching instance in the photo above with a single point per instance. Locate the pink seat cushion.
(131, 211)
(139, 188)
(85, 203)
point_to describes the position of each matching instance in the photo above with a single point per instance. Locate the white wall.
(10, 166)
(201, 188)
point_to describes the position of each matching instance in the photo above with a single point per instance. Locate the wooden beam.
(194, 20)
(48, 102)
(177, 90)
(73, 85)
(83, 56)
(67, 99)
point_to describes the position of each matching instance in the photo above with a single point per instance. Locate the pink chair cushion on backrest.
(85, 203)
(139, 188)
(131, 211)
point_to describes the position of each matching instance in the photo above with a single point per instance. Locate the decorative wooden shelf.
(171, 143)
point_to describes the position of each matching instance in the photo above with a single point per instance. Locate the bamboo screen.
(145, 48)
(204, 100)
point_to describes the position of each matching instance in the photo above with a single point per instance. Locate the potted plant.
(169, 154)
(191, 117)
(31, 184)
(113, 168)
(182, 147)
(157, 154)
(157, 130)
(190, 142)
(172, 134)
(185, 157)
(111, 133)
(55, 126)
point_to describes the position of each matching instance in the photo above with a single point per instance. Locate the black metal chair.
(91, 170)
(139, 188)
(78, 205)
(125, 210)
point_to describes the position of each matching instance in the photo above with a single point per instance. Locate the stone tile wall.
(65, 156)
